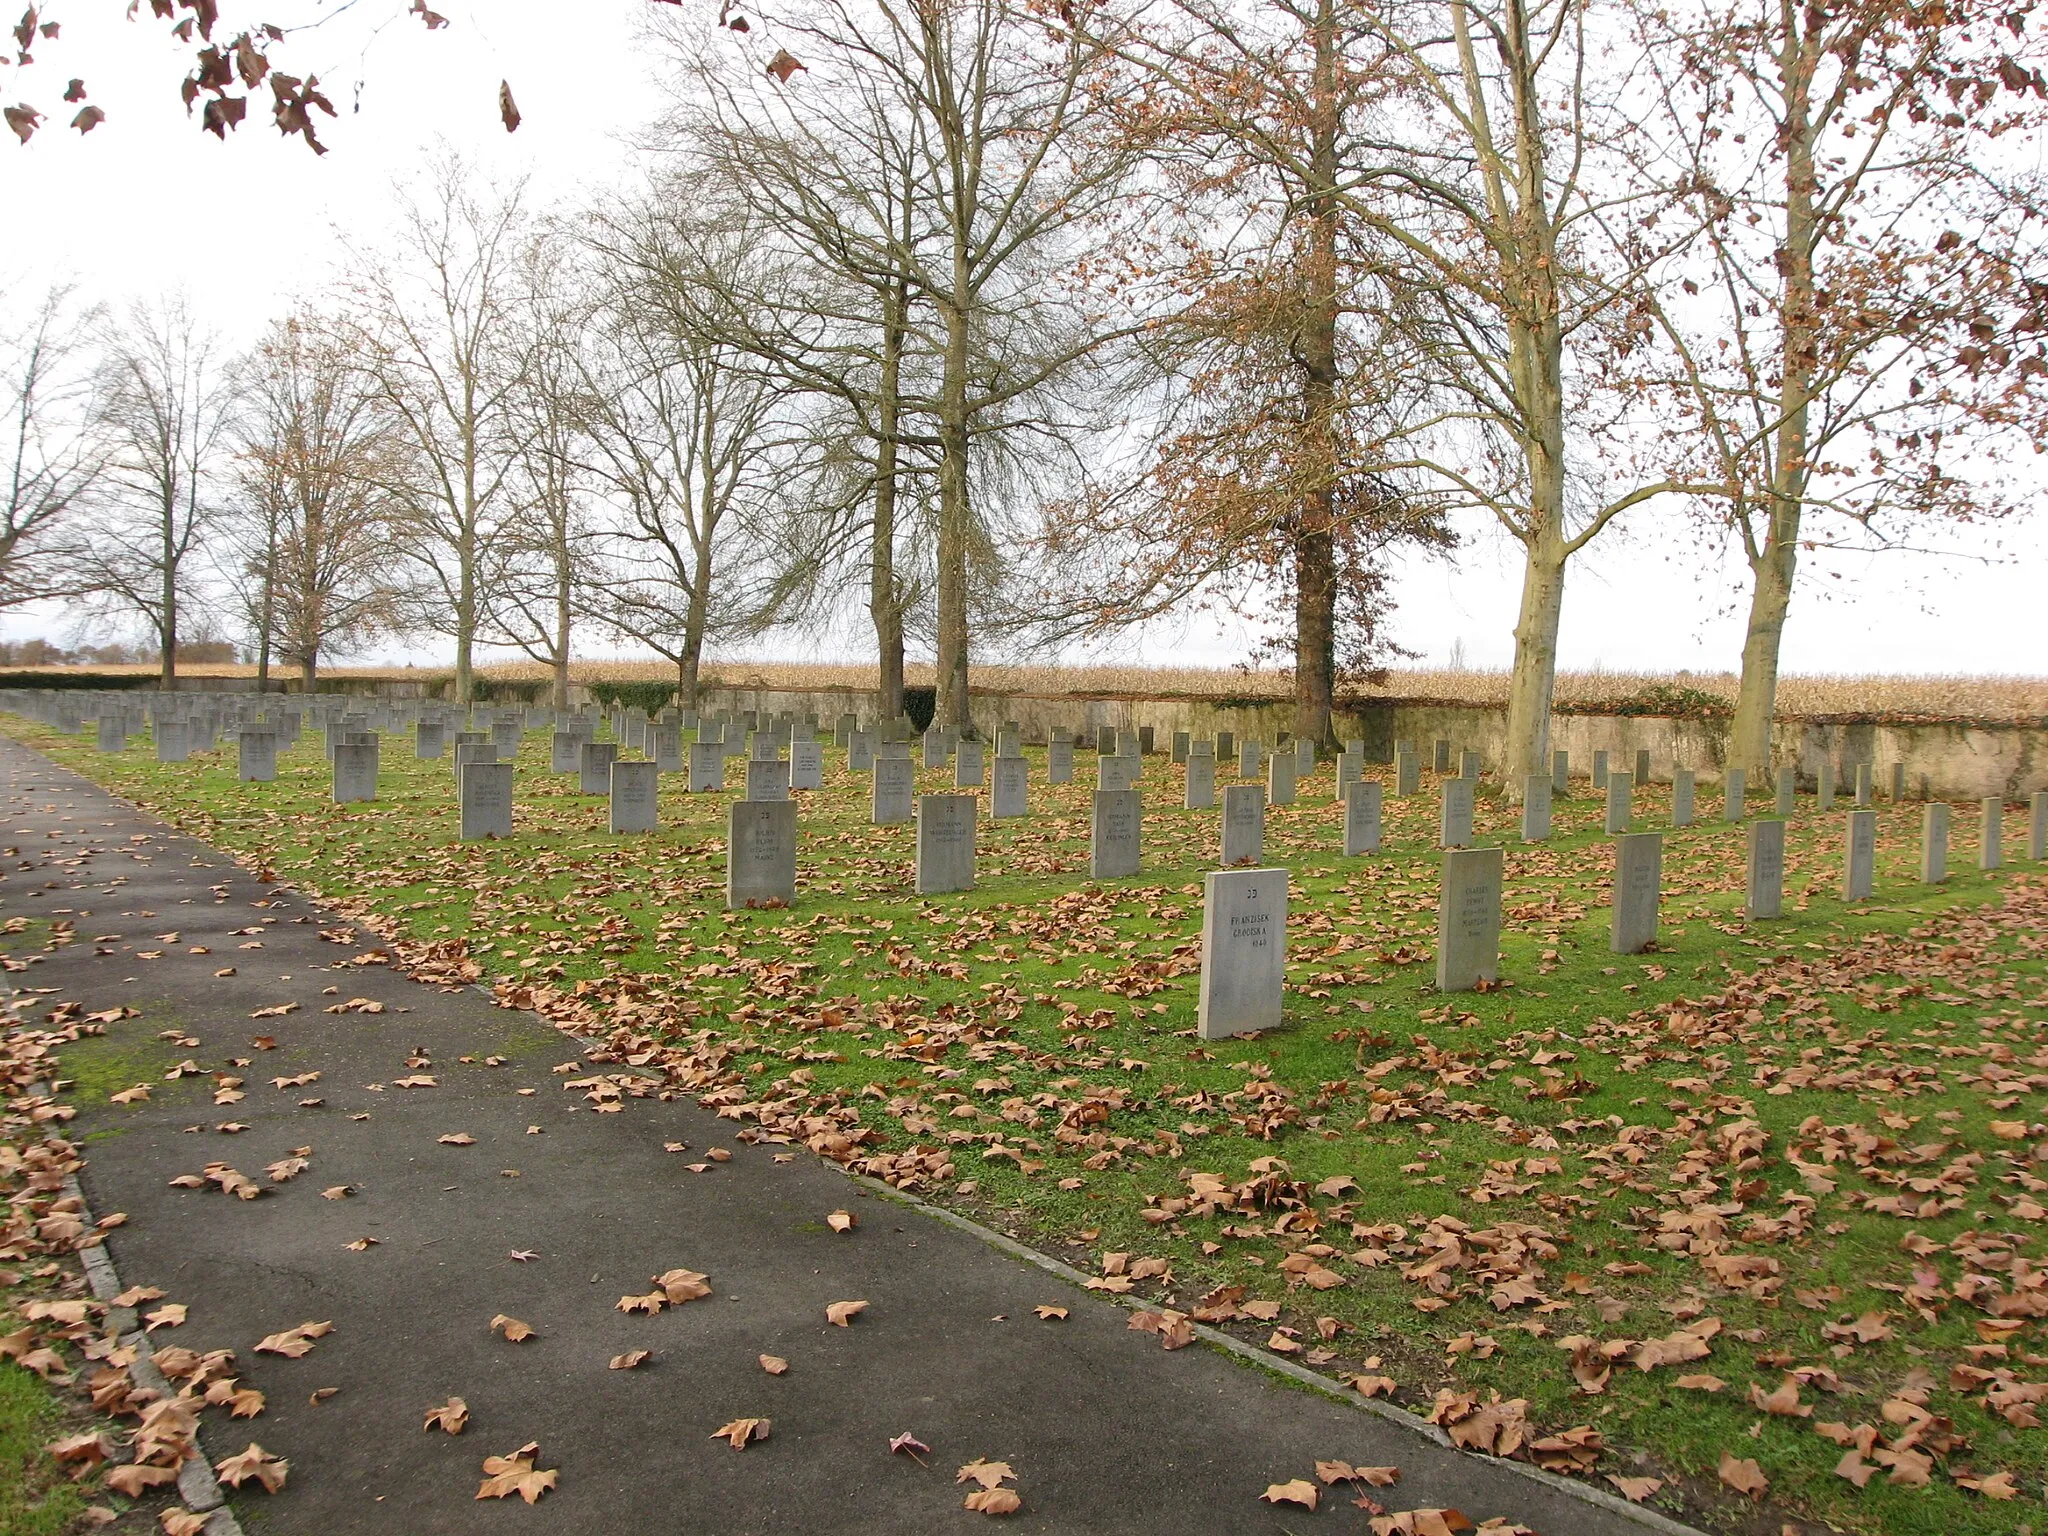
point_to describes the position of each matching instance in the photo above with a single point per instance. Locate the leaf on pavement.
(452, 1416)
(254, 1462)
(507, 1475)
(631, 1359)
(741, 1432)
(774, 1365)
(842, 1221)
(1299, 1491)
(842, 1313)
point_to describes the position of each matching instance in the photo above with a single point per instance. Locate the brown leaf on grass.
(1701, 1383)
(842, 1221)
(631, 1359)
(742, 1432)
(1783, 1401)
(1051, 1314)
(1997, 1485)
(507, 1475)
(84, 1450)
(774, 1365)
(1373, 1386)
(1635, 1489)
(1299, 1491)
(840, 1314)
(1743, 1475)
(254, 1462)
(452, 1416)
(1855, 1468)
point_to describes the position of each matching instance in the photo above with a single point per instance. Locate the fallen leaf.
(254, 1462)
(507, 1475)
(842, 1221)
(774, 1365)
(451, 1416)
(1051, 1314)
(630, 1359)
(989, 1474)
(907, 1444)
(294, 1343)
(459, 1139)
(1635, 1489)
(1300, 1491)
(741, 1432)
(993, 1501)
(515, 1332)
(842, 1313)
(1743, 1476)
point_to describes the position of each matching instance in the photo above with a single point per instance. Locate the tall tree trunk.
(1315, 542)
(309, 672)
(693, 627)
(954, 516)
(1774, 560)
(563, 618)
(885, 604)
(167, 627)
(465, 622)
(1536, 362)
(265, 617)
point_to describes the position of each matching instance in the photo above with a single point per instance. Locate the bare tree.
(433, 323)
(166, 407)
(54, 459)
(318, 453)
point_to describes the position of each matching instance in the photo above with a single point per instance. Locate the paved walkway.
(1106, 1431)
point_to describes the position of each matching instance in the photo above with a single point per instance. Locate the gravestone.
(1059, 762)
(969, 771)
(1201, 783)
(1859, 856)
(505, 737)
(1536, 796)
(1251, 757)
(1280, 772)
(1560, 773)
(172, 740)
(1116, 771)
(767, 779)
(484, 796)
(665, 746)
(1684, 797)
(760, 853)
(594, 761)
(113, 734)
(1824, 788)
(1350, 769)
(1105, 740)
(1934, 842)
(1244, 952)
(1146, 736)
(1440, 759)
(1179, 746)
(1468, 919)
(1407, 775)
(2037, 826)
(635, 788)
(1735, 792)
(806, 764)
(1244, 824)
(1620, 793)
(1642, 773)
(935, 752)
(1454, 823)
(1764, 893)
(355, 773)
(707, 767)
(860, 752)
(472, 752)
(1361, 817)
(945, 842)
(1638, 883)
(1007, 743)
(1470, 766)
(1010, 791)
(894, 791)
(1304, 758)
(1600, 770)
(1788, 790)
(1113, 834)
(1898, 783)
(1226, 746)
(1863, 786)
(1990, 831)
(429, 740)
(256, 756)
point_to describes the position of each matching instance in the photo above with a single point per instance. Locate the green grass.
(35, 1497)
(1017, 1000)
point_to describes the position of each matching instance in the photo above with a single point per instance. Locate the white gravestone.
(1179, 748)
(1638, 885)
(1620, 791)
(1010, 789)
(1934, 842)
(635, 792)
(1536, 796)
(256, 756)
(1764, 892)
(1304, 758)
(767, 779)
(1361, 817)
(1470, 766)
(1560, 773)
(1468, 919)
(1863, 786)
(894, 790)
(172, 741)
(1201, 783)
(1990, 828)
(484, 793)
(594, 761)
(1226, 746)
(1244, 824)
(860, 752)
(429, 740)
(1350, 769)
(355, 773)
(969, 770)
(1788, 791)
(1117, 772)
(1251, 757)
(1684, 795)
(1454, 825)
(1059, 763)
(806, 765)
(760, 853)
(665, 746)
(936, 750)
(1114, 834)
(945, 842)
(1735, 792)
(707, 767)
(113, 734)
(1600, 770)
(1859, 856)
(1824, 788)
(1280, 777)
(1407, 775)
(1244, 952)
(2037, 826)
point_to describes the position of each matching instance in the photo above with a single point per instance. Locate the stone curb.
(1649, 1519)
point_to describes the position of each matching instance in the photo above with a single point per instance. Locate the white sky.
(147, 204)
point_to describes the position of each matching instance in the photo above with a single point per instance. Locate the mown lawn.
(1795, 1157)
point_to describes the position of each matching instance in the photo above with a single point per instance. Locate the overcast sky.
(147, 204)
